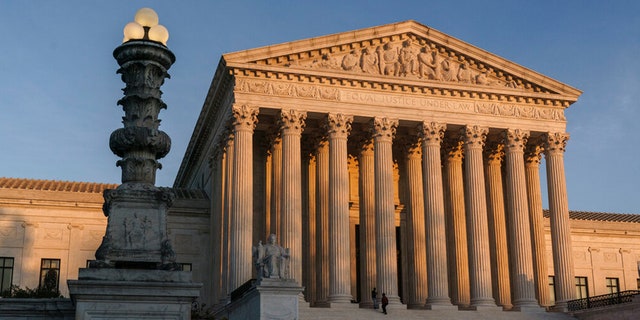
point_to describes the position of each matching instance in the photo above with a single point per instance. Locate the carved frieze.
(326, 93)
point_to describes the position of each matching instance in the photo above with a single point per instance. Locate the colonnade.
(475, 236)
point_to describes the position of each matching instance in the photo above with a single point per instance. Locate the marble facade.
(399, 126)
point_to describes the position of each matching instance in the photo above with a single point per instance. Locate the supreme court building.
(394, 157)
(358, 146)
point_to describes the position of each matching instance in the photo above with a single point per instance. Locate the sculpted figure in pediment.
(369, 61)
(388, 59)
(408, 59)
(351, 61)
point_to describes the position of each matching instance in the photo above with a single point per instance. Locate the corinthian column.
(275, 208)
(416, 242)
(291, 126)
(456, 223)
(559, 218)
(322, 223)
(366, 185)
(532, 155)
(386, 260)
(338, 128)
(226, 217)
(478, 232)
(494, 155)
(244, 120)
(431, 135)
(524, 294)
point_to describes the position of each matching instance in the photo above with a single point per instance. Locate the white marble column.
(322, 224)
(555, 145)
(215, 225)
(276, 185)
(532, 157)
(386, 259)
(291, 126)
(478, 231)
(456, 223)
(494, 155)
(309, 223)
(415, 224)
(244, 119)
(431, 135)
(522, 282)
(226, 219)
(366, 187)
(338, 128)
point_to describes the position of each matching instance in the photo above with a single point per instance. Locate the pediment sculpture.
(413, 59)
(271, 260)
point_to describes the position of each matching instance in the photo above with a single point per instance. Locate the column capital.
(474, 136)
(339, 125)
(292, 121)
(244, 117)
(555, 142)
(533, 154)
(515, 139)
(494, 152)
(384, 128)
(452, 149)
(431, 133)
(410, 148)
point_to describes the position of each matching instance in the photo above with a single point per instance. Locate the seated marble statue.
(271, 260)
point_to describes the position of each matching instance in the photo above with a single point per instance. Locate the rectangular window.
(185, 266)
(582, 289)
(49, 274)
(6, 273)
(613, 286)
(552, 289)
(638, 280)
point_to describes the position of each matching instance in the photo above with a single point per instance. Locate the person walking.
(374, 298)
(385, 302)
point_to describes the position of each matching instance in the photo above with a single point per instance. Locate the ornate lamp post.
(136, 234)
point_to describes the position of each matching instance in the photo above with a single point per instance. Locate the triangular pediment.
(402, 51)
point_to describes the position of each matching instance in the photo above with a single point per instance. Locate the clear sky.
(58, 86)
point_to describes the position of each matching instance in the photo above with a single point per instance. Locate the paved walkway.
(352, 312)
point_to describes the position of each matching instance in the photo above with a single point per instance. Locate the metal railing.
(602, 300)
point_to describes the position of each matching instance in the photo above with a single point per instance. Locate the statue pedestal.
(133, 294)
(267, 299)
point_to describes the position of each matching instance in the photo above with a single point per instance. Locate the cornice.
(216, 96)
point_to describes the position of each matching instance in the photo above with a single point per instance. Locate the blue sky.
(58, 86)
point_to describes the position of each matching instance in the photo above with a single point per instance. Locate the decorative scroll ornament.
(494, 152)
(533, 154)
(474, 136)
(384, 128)
(292, 121)
(452, 149)
(338, 124)
(515, 139)
(431, 133)
(244, 117)
(556, 142)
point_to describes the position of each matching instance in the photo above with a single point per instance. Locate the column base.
(340, 299)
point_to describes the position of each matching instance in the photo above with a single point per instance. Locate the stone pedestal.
(133, 294)
(266, 299)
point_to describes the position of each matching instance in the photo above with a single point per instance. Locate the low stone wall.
(624, 311)
(36, 309)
